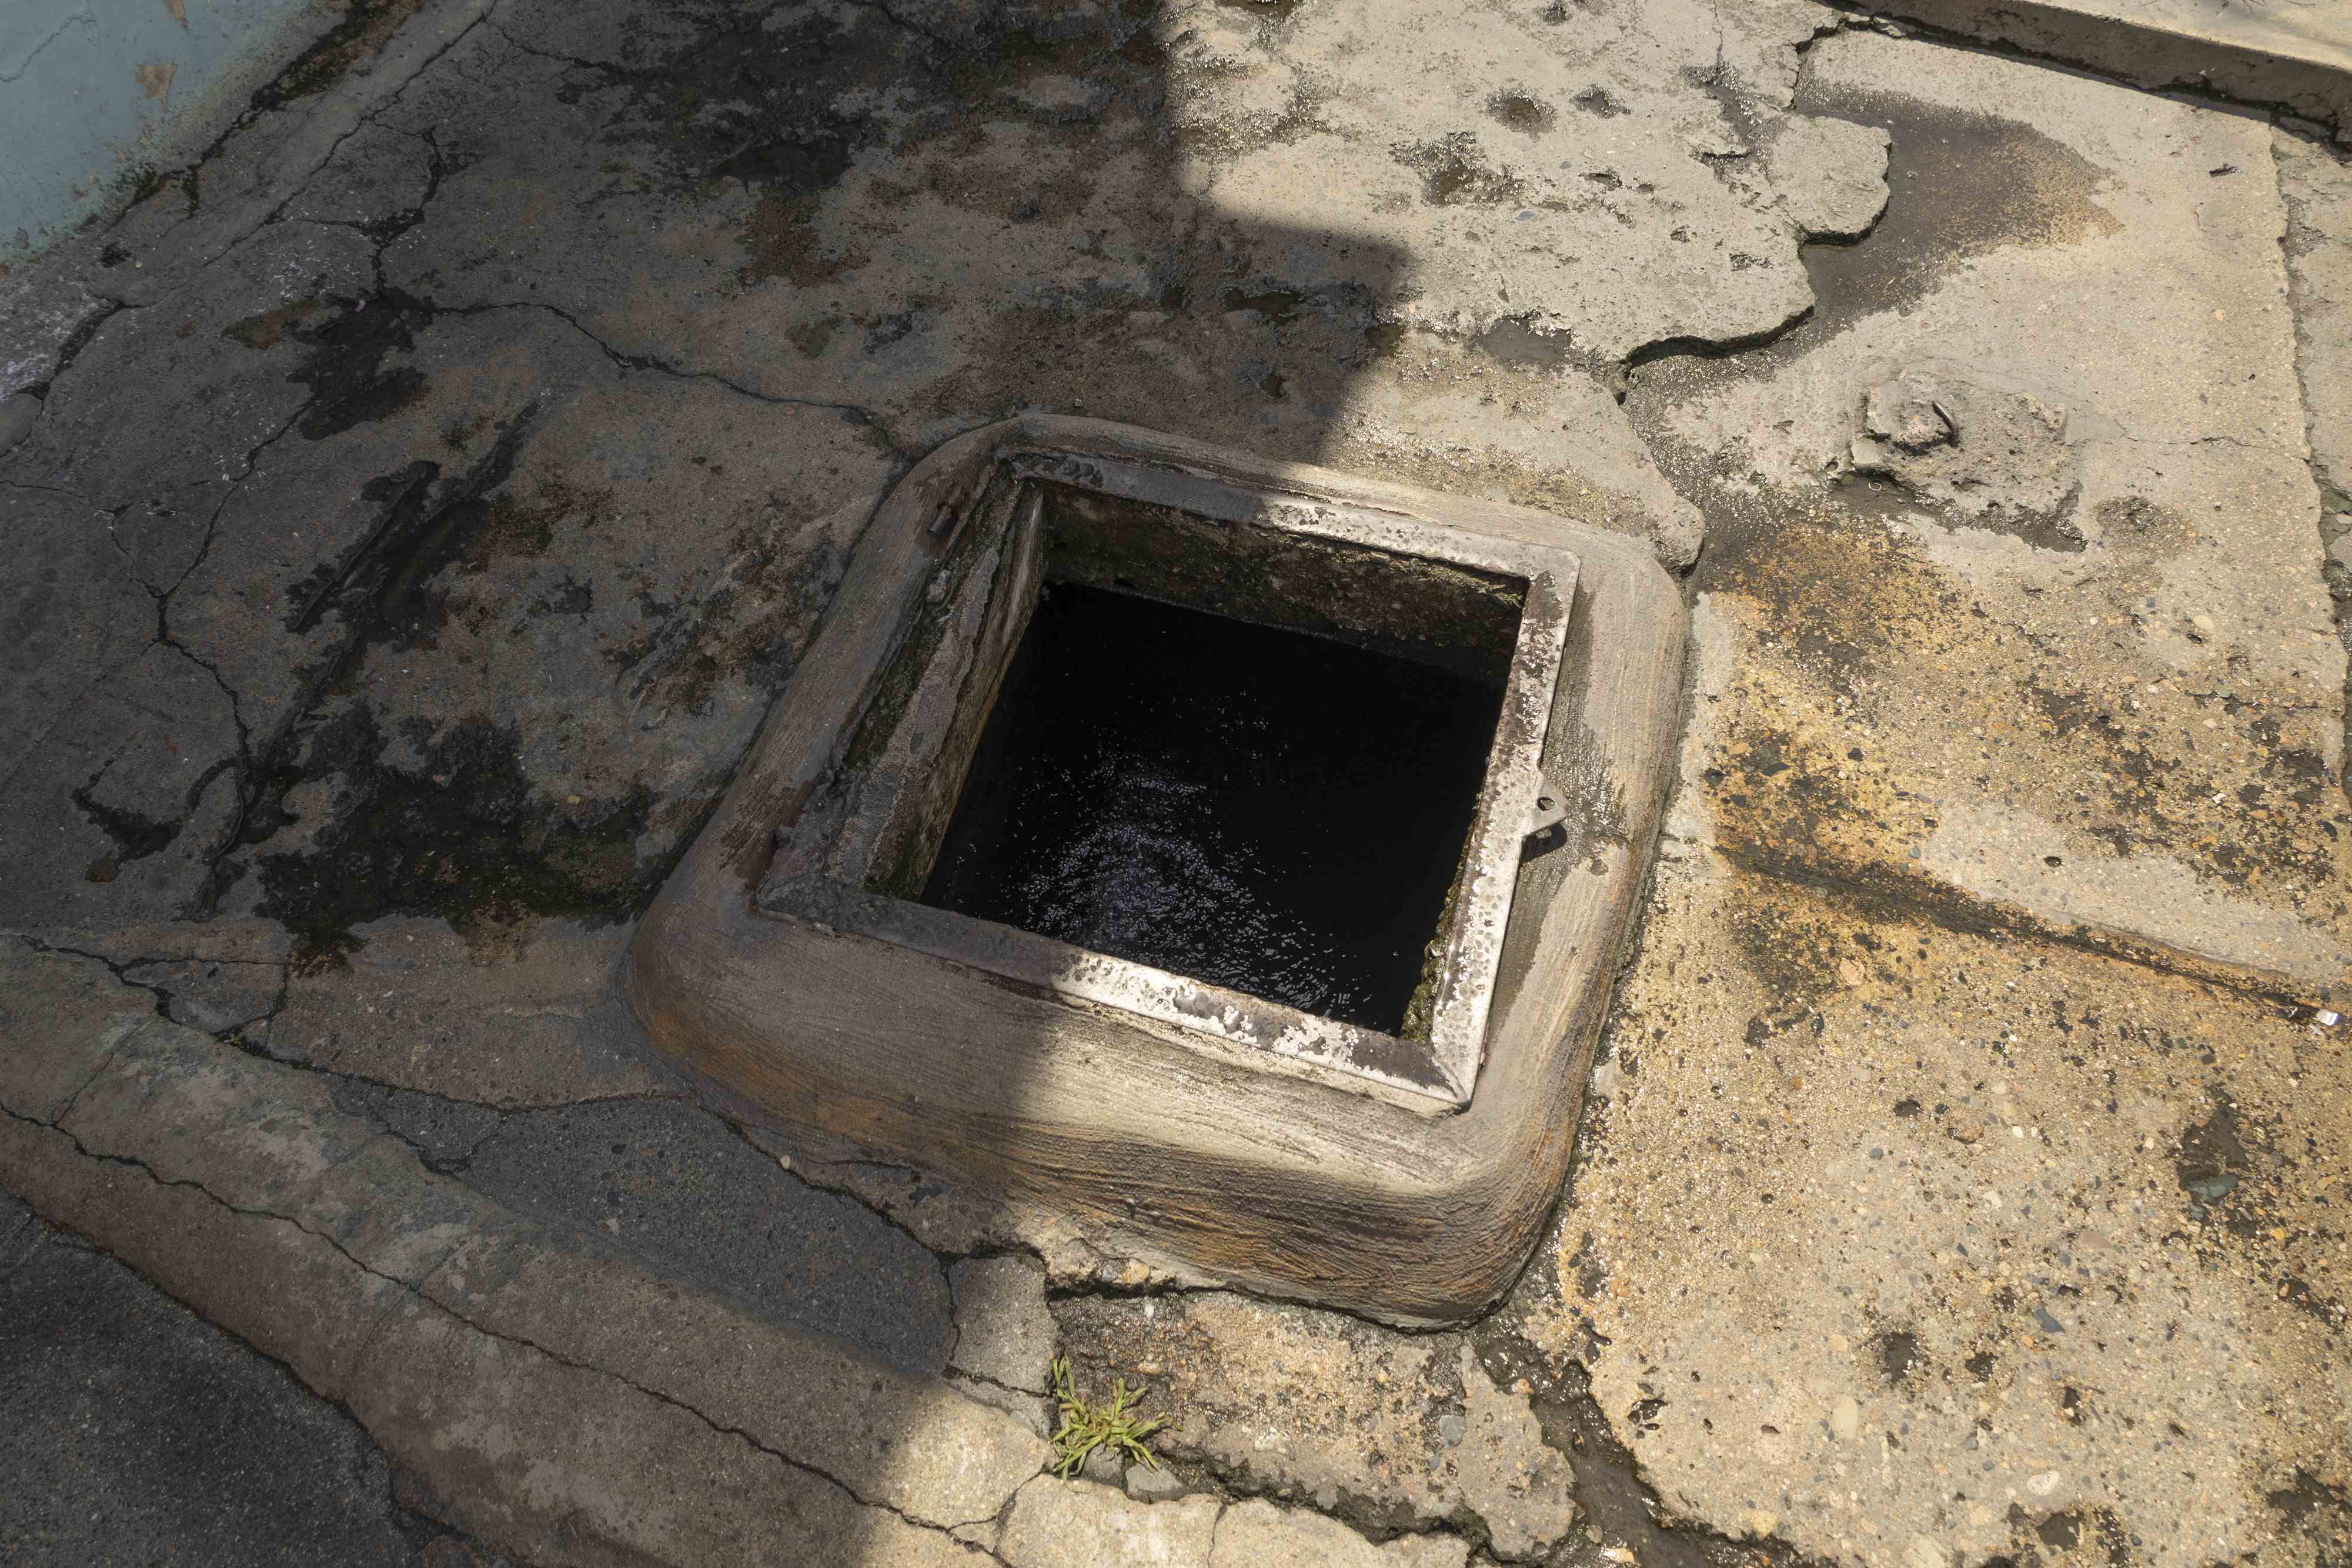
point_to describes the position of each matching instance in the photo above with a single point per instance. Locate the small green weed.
(1085, 1428)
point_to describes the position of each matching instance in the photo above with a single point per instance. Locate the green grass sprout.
(1088, 1427)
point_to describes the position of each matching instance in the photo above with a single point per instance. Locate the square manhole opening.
(1254, 769)
(1275, 812)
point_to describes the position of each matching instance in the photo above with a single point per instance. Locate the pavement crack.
(189, 1183)
(297, 184)
(1689, 345)
(246, 759)
(797, 1174)
(56, 490)
(80, 14)
(969, 1376)
(2267, 448)
(1829, 28)
(647, 362)
(400, 518)
(241, 761)
(119, 970)
(90, 1078)
(413, 1290)
(367, 117)
(576, 62)
(662, 1396)
(164, 995)
(652, 364)
(444, 1165)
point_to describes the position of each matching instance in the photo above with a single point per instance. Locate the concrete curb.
(562, 1405)
(2254, 58)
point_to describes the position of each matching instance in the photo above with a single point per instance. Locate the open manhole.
(1260, 773)
(1278, 814)
(1236, 853)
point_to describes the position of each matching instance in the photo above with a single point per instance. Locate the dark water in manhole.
(1259, 808)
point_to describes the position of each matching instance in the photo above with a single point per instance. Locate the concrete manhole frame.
(856, 858)
(1209, 1136)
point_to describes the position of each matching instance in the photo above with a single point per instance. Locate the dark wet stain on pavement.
(1959, 185)
(464, 835)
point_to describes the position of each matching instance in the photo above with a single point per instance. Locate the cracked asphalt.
(418, 501)
(138, 1433)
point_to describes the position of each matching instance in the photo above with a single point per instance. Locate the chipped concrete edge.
(2246, 59)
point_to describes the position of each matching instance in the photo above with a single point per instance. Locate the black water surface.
(1259, 808)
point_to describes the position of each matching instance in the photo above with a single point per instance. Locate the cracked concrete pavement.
(420, 498)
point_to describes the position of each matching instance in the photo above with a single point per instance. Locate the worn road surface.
(414, 506)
